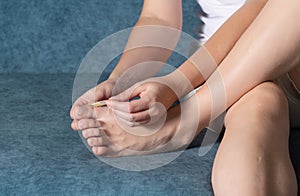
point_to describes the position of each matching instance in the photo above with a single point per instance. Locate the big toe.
(84, 111)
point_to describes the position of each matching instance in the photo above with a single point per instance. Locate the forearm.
(269, 48)
(149, 46)
(204, 61)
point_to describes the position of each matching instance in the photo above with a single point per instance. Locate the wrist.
(178, 83)
(113, 77)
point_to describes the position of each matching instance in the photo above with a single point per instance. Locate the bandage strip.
(99, 103)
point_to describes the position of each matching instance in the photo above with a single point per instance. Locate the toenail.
(80, 124)
(79, 111)
(73, 126)
(90, 142)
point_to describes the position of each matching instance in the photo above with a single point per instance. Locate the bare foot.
(100, 92)
(109, 137)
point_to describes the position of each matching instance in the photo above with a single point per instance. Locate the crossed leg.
(253, 158)
(295, 73)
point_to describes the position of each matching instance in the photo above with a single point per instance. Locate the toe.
(74, 125)
(100, 151)
(84, 111)
(92, 132)
(96, 141)
(88, 123)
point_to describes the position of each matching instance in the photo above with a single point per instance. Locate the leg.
(295, 73)
(294, 97)
(264, 52)
(253, 158)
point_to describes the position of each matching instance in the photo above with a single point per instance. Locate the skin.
(294, 74)
(228, 34)
(168, 13)
(261, 165)
(104, 130)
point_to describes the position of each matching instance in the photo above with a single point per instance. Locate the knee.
(256, 125)
(264, 102)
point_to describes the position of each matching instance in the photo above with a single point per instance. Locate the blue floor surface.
(41, 155)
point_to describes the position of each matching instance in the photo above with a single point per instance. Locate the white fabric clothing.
(218, 11)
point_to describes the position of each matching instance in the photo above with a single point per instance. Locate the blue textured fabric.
(53, 36)
(40, 154)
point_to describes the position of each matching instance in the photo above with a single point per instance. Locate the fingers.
(132, 113)
(119, 106)
(137, 112)
(140, 104)
(122, 101)
(128, 94)
(130, 107)
(134, 119)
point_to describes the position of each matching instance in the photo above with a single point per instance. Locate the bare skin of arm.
(167, 13)
(253, 60)
(268, 49)
(193, 72)
(154, 13)
(264, 52)
(220, 44)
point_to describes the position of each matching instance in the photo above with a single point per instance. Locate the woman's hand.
(100, 92)
(110, 137)
(155, 97)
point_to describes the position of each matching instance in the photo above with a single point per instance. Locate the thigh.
(254, 149)
(295, 73)
(293, 94)
(290, 83)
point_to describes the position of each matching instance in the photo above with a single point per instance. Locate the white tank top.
(218, 11)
